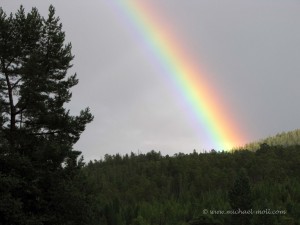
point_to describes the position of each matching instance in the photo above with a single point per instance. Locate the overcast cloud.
(250, 48)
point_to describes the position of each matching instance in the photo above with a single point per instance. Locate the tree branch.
(47, 133)
(20, 110)
(16, 83)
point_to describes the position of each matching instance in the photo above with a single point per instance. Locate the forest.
(282, 139)
(45, 181)
(154, 189)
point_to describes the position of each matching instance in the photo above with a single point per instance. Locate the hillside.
(281, 139)
(151, 189)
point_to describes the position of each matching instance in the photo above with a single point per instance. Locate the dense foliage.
(40, 171)
(155, 189)
(284, 138)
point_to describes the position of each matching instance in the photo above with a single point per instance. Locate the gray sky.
(250, 48)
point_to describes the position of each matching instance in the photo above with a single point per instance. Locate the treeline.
(155, 189)
(284, 138)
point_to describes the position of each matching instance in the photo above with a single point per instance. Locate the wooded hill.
(155, 189)
(284, 139)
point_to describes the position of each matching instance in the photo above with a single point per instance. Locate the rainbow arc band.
(187, 78)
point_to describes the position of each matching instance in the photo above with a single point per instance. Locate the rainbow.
(183, 73)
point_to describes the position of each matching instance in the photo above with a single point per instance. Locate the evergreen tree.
(240, 199)
(38, 163)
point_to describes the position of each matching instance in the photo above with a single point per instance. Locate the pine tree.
(240, 199)
(37, 132)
